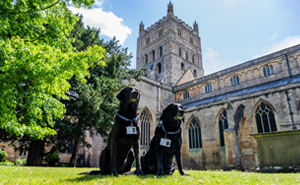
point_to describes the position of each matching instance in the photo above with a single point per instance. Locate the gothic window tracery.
(195, 140)
(223, 125)
(145, 128)
(265, 118)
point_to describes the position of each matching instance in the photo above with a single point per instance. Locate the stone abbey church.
(223, 109)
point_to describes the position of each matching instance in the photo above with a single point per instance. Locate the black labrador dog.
(165, 143)
(118, 157)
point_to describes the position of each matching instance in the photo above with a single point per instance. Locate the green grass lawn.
(51, 175)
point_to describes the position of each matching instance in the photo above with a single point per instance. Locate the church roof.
(261, 87)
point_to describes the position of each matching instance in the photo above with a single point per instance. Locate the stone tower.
(168, 49)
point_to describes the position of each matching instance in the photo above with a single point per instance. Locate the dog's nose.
(181, 112)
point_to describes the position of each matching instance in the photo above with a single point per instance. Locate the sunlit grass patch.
(52, 175)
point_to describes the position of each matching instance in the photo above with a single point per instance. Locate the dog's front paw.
(139, 172)
(183, 173)
(115, 173)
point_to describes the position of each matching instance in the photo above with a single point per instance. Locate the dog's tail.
(94, 172)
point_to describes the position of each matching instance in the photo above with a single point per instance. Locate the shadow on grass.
(88, 177)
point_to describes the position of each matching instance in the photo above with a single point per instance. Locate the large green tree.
(92, 105)
(36, 59)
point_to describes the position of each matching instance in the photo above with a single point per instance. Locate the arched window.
(195, 73)
(153, 55)
(186, 95)
(147, 39)
(208, 88)
(191, 40)
(160, 51)
(179, 51)
(268, 70)
(235, 80)
(182, 66)
(193, 59)
(159, 68)
(187, 55)
(145, 128)
(145, 58)
(265, 118)
(223, 125)
(195, 140)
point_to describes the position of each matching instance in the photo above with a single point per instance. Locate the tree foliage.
(92, 105)
(36, 59)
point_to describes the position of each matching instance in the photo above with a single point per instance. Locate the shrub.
(20, 162)
(6, 163)
(52, 158)
(3, 155)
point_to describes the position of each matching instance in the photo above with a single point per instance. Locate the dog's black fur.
(158, 159)
(117, 157)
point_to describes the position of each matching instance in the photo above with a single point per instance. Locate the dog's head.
(129, 95)
(173, 112)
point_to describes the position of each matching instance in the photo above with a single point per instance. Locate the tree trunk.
(73, 158)
(35, 153)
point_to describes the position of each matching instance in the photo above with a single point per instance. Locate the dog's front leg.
(178, 160)
(159, 158)
(136, 148)
(113, 154)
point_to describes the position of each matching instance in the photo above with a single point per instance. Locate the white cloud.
(109, 23)
(211, 58)
(98, 3)
(274, 36)
(288, 42)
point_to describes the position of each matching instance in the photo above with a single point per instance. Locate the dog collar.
(162, 126)
(126, 119)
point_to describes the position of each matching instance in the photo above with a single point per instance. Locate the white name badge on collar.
(165, 142)
(131, 130)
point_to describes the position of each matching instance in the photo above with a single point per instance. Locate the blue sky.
(231, 31)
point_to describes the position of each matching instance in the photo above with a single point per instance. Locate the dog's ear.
(120, 96)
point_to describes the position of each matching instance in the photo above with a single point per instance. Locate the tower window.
(208, 88)
(193, 59)
(153, 55)
(191, 40)
(182, 66)
(179, 51)
(147, 39)
(160, 51)
(268, 70)
(187, 55)
(179, 32)
(195, 73)
(145, 58)
(235, 80)
(159, 68)
(160, 32)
